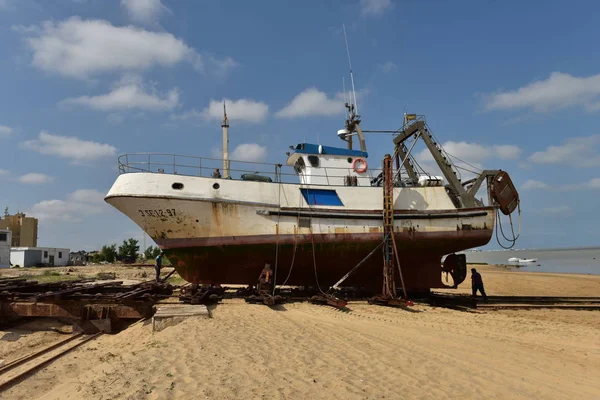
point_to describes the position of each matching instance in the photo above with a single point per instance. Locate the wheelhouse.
(326, 165)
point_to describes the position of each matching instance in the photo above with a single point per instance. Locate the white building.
(5, 240)
(32, 256)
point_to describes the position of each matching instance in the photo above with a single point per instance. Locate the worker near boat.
(477, 284)
(158, 265)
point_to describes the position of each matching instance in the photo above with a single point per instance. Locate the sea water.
(572, 261)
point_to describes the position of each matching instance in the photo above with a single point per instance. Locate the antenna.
(344, 90)
(350, 64)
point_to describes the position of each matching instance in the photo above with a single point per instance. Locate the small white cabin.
(32, 256)
(332, 166)
(5, 241)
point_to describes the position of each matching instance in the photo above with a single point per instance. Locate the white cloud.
(129, 94)
(507, 151)
(249, 152)
(82, 48)
(474, 153)
(35, 178)
(88, 196)
(375, 7)
(313, 102)
(144, 11)
(77, 204)
(247, 110)
(468, 158)
(592, 184)
(579, 152)
(3, 172)
(5, 130)
(556, 210)
(222, 66)
(68, 147)
(388, 67)
(558, 92)
(533, 184)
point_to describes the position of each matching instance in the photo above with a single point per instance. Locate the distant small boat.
(527, 260)
(522, 260)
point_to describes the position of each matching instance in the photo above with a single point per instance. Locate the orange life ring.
(362, 169)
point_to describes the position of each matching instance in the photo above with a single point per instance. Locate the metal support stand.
(328, 300)
(264, 292)
(202, 294)
(388, 294)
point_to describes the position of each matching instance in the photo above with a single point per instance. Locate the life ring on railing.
(361, 167)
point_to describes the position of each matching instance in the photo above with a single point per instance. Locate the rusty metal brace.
(328, 299)
(265, 297)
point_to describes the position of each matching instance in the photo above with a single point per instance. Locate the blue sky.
(508, 85)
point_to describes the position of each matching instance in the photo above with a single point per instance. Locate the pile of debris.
(90, 305)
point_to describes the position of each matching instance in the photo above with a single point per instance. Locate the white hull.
(240, 209)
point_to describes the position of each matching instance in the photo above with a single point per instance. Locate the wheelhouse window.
(299, 166)
(3, 237)
(314, 161)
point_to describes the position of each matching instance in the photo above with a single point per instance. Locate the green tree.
(151, 252)
(129, 249)
(109, 253)
(97, 258)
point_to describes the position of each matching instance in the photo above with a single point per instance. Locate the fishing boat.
(316, 217)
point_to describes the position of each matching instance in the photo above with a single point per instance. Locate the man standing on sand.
(157, 265)
(477, 284)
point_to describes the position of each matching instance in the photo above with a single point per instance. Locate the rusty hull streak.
(240, 260)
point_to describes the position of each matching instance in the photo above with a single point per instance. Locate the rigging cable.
(312, 236)
(277, 226)
(295, 248)
(463, 161)
(512, 240)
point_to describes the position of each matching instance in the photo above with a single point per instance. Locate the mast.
(353, 121)
(225, 126)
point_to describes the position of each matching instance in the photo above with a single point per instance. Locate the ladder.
(390, 257)
(389, 284)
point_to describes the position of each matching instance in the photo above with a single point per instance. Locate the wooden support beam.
(76, 309)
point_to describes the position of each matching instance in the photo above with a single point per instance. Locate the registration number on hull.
(168, 212)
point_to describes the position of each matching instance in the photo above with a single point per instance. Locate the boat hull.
(420, 258)
(211, 236)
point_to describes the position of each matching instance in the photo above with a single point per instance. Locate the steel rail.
(35, 367)
(19, 361)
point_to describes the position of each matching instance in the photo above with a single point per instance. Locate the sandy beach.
(302, 351)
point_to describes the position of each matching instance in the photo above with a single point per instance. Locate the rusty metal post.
(389, 287)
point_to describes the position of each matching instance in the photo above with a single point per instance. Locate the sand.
(302, 351)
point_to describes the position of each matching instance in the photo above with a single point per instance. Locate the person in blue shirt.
(157, 265)
(477, 284)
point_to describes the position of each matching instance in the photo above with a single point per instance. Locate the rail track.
(516, 302)
(19, 369)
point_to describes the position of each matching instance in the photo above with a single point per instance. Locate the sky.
(503, 84)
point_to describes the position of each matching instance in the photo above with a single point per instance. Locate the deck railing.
(178, 164)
